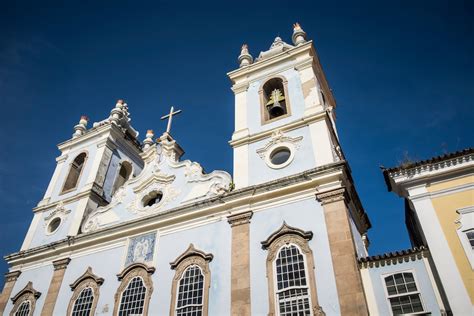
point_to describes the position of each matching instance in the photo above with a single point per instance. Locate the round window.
(152, 198)
(54, 225)
(280, 156)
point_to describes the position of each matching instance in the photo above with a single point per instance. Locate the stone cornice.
(215, 205)
(284, 128)
(332, 196)
(12, 276)
(240, 219)
(291, 53)
(61, 264)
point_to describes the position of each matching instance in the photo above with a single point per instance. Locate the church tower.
(284, 113)
(284, 132)
(93, 164)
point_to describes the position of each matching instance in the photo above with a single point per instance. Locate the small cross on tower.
(170, 118)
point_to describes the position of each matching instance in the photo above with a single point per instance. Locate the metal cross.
(170, 118)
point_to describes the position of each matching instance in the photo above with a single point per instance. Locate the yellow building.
(439, 213)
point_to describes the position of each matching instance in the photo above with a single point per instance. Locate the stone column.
(55, 285)
(240, 270)
(343, 252)
(10, 279)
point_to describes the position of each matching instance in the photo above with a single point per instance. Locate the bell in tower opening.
(274, 99)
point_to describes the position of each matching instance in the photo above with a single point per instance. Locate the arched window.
(74, 173)
(85, 294)
(134, 293)
(290, 272)
(25, 301)
(274, 99)
(403, 293)
(190, 289)
(123, 175)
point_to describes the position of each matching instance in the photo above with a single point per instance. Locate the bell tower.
(284, 112)
(94, 163)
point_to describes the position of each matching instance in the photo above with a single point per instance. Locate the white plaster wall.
(41, 277)
(40, 235)
(307, 215)
(214, 238)
(423, 283)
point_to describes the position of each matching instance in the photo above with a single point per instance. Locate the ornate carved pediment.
(284, 230)
(27, 290)
(278, 138)
(88, 275)
(191, 252)
(135, 267)
(164, 183)
(59, 209)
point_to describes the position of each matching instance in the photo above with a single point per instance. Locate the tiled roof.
(432, 160)
(394, 255)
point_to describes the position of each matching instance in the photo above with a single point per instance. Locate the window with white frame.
(24, 309)
(133, 298)
(83, 304)
(191, 282)
(290, 273)
(190, 292)
(403, 294)
(134, 293)
(292, 287)
(465, 231)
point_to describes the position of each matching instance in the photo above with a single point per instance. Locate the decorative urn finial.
(148, 141)
(117, 112)
(299, 36)
(81, 127)
(245, 58)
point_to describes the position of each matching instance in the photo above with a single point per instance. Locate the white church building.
(126, 227)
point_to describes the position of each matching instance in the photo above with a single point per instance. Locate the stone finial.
(148, 141)
(81, 127)
(245, 58)
(117, 112)
(299, 36)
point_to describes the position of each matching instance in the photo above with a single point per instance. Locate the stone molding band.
(240, 219)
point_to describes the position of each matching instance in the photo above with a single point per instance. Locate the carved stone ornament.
(177, 183)
(286, 230)
(59, 211)
(129, 273)
(191, 257)
(12, 276)
(240, 219)
(28, 293)
(332, 196)
(85, 281)
(279, 140)
(61, 264)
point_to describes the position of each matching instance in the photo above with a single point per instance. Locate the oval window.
(152, 198)
(54, 225)
(280, 156)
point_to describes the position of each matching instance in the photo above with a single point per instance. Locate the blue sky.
(402, 74)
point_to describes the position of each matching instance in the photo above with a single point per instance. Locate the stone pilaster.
(10, 279)
(55, 285)
(343, 252)
(240, 270)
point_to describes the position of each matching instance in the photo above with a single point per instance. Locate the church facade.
(126, 227)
